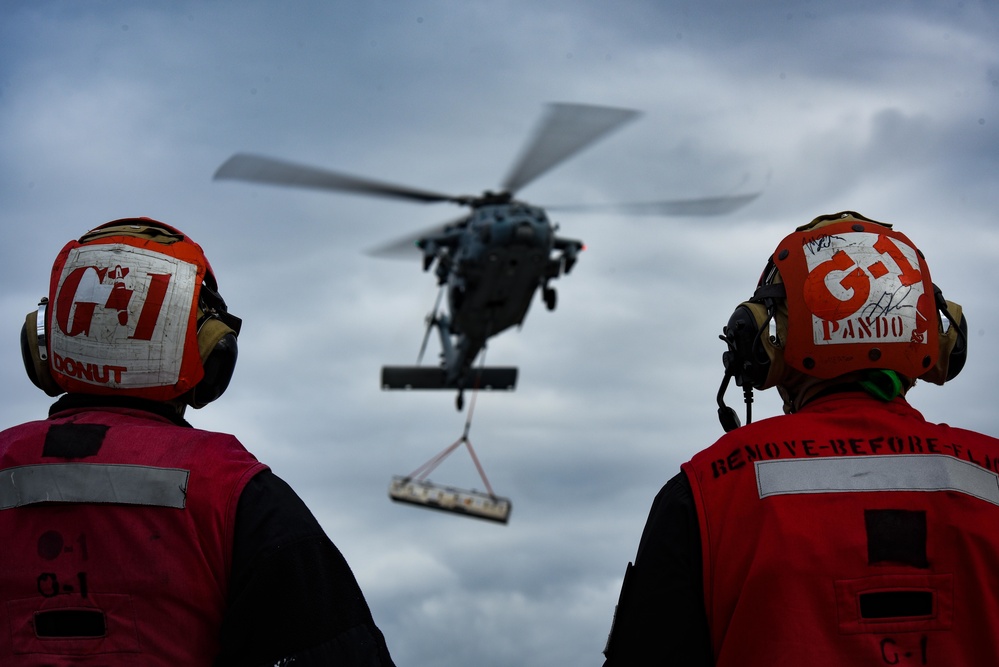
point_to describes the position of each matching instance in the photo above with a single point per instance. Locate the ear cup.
(752, 359)
(953, 346)
(959, 352)
(218, 349)
(36, 367)
(216, 345)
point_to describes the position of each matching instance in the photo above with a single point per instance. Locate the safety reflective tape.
(93, 483)
(928, 472)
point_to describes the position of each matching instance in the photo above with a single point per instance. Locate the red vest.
(116, 530)
(850, 533)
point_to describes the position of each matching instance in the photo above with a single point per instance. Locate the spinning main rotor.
(564, 131)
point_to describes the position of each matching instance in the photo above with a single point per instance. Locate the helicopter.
(492, 260)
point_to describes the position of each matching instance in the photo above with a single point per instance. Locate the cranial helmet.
(844, 294)
(133, 310)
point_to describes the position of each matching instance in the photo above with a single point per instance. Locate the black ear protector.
(752, 340)
(35, 350)
(953, 341)
(753, 358)
(217, 333)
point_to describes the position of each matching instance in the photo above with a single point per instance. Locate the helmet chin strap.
(882, 384)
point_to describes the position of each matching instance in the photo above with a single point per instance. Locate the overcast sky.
(112, 109)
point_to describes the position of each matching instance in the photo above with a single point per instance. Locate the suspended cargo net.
(416, 489)
(449, 499)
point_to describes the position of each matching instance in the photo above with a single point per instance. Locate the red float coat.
(850, 533)
(117, 533)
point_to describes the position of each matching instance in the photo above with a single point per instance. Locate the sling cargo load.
(449, 499)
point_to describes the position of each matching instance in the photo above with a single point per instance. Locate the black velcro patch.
(74, 441)
(896, 604)
(69, 623)
(896, 536)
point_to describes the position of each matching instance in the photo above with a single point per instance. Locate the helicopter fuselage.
(502, 257)
(492, 262)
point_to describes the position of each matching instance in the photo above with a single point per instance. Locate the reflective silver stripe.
(930, 472)
(93, 483)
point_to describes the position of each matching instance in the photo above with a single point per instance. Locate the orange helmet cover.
(859, 295)
(123, 311)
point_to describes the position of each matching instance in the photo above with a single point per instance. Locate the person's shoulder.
(16, 430)
(960, 434)
(754, 432)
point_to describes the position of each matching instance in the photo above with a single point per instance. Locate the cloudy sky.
(111, 109)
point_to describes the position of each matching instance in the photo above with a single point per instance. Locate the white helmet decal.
(138, 300)
(864, 286)
(859, 295)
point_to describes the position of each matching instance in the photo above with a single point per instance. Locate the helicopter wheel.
(551, 297)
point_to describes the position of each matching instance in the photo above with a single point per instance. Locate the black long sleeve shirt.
(660, 617)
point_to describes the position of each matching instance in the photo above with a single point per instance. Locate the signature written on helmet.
(866, 287)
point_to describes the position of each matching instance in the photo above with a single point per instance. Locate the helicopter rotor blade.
(260, 169)
(707, 206)
(404, 247)
(564, 131)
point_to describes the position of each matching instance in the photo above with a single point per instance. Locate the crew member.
(849, 531)
(130, 537)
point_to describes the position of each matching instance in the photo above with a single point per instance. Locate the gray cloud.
(111, 110)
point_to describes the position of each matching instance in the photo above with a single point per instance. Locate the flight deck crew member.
(849, 531)
(130, 537)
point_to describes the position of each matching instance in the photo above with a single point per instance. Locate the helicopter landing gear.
(550, 297)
